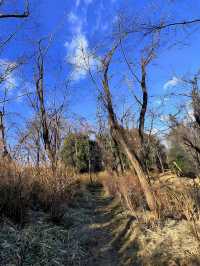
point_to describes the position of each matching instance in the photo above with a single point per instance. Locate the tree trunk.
(144, 104)
(160, 162)
(135, 166)
(43, 114)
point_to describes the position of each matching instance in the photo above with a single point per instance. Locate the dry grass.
(177, 198)
(24, 188)
(173, 243)
(43, 215)
(36, 218)
(171, 239)
(125, 187)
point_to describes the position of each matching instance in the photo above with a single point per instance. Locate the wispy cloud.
(78, 52)
(172, 83)
(11, 82)
(79, 55)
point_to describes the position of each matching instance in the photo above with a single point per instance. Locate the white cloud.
(158, 102)
(100, 23)
(78, 54)
(172, 83)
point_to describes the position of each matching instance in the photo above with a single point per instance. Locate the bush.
(182, 158)
(81, 153)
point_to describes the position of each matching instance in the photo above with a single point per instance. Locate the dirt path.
(96, 233)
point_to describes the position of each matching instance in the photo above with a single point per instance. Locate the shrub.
(182, 158)
(81, 153)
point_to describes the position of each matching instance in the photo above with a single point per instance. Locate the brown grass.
(177, 198)
(25, 191)
(24, 188)
(173, 238)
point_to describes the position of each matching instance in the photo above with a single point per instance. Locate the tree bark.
(144, 104)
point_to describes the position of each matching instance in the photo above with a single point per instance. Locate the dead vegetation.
(61, 220)
(173, 239)
(24, 188)
(36, 217)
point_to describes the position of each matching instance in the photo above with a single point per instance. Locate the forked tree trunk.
(122, 139)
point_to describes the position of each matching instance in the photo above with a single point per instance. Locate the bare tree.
(30, 141)
(50, 120)
(148, 54)
(39, 78)
(120, 134)
(6, 70)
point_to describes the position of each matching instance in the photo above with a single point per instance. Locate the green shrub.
(81, 153)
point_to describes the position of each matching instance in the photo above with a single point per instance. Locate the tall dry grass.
(177, 198)
(172, 238)
(28, 188)
(125, 187)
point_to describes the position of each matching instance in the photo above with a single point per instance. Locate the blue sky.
(89, 23)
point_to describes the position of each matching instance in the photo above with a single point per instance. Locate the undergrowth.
(25, 188)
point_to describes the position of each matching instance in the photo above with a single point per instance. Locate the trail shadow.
(119, 239)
